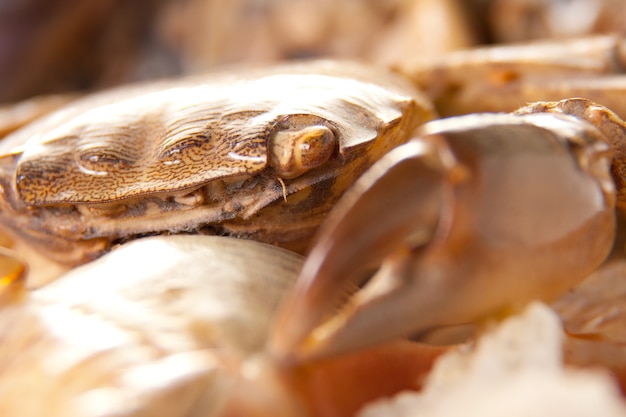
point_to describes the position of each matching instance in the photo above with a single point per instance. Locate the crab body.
(249, 155)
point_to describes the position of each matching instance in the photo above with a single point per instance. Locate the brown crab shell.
(179, 156)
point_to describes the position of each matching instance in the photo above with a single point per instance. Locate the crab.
(259, 154)
(446, 226)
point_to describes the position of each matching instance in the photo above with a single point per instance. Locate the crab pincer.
(473, 218)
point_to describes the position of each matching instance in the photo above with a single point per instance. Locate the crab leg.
(505, 77)
(475, 217)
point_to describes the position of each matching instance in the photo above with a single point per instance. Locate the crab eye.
(295, 151)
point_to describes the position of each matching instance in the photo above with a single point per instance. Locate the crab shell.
(262, 154)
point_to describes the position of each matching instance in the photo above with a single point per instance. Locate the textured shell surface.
(261, 153)
(186, 134)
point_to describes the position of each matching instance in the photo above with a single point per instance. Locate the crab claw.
(474, 218)
(397, 204)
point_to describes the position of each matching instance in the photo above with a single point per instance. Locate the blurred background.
(52, 46)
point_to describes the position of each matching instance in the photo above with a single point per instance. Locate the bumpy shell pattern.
(186, 136)
(202, 153)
